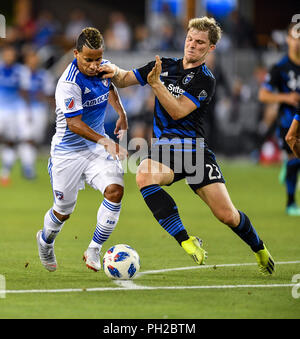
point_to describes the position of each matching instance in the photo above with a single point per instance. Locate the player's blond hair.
(91, 38)
(206, 24)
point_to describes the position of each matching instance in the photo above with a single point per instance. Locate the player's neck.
(295, 58)
(186, 64)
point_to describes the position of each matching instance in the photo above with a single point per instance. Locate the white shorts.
(68, 176)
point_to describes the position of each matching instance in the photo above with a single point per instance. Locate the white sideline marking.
(211, 266)
(130, 285)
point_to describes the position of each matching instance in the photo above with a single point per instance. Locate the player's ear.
(212, 48)
(76, 53)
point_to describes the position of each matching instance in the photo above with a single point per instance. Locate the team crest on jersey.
(105, 82)
(188, 78)
(59, 195)
(70, 102)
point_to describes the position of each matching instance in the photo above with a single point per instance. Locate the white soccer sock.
(107, 218)
(52, 226)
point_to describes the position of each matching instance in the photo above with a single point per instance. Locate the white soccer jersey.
(77, 94)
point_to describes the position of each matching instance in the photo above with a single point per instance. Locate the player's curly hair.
(91, 38)
(206, 24)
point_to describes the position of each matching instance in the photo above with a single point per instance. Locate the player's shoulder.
(71, 73)
(203, 70)
(170, 61)
(283, 61)
(71, 76)
(280, 64)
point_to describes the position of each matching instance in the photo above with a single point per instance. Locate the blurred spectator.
(143, 41)
(77, 22)
(40, 88)
(14, 123)
(166, 29)
(221, 82)
(118, 34)
(240, 31)
(46, 29)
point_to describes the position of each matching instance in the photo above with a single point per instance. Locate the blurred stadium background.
(253, 39)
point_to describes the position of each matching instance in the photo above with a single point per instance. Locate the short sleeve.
(69, 99)
(142, 72)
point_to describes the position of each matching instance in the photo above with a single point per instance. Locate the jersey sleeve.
(272, 79)
(200, 90)
(69, 99)
(142, 72)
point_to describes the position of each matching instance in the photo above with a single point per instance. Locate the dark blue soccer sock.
(246, 232)
(292, 168)
(165, 211)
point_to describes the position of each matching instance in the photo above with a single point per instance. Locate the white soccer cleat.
(46, 253)
(92, 258)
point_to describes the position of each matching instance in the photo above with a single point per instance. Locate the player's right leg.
(53, 223)
(217, 198)
(151, 175)
(106, 175)
(65, 177)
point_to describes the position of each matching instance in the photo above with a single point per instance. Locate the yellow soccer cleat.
(265, 261)
(192, 246)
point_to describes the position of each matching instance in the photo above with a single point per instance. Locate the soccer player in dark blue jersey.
(282, 86)
(183, 89)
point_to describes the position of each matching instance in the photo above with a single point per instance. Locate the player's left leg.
(107, 177)
(151, 175)
(217, 198)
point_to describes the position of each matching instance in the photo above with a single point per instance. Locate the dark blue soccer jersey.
(284, 77)
(198, 84)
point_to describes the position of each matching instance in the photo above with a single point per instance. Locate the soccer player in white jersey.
(40, 87)
(14, 125)
(81, 151)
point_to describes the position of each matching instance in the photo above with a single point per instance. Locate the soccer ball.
(121, 262)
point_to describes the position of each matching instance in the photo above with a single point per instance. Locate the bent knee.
(228, 217)
(114, 193)
(61, 217)
(142, 180)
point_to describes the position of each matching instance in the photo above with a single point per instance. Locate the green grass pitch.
(194, 293)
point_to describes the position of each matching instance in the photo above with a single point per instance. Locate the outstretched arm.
(120, 77)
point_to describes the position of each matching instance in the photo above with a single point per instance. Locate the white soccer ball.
(121, 262)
